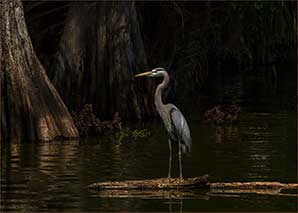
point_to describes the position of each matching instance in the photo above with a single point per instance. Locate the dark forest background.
(220, 51)
(216, 52)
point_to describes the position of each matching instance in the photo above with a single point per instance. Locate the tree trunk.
(100, 51)
(31, 108)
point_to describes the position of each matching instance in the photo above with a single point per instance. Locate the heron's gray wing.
(181, 127)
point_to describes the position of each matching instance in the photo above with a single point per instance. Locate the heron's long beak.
(143, 74)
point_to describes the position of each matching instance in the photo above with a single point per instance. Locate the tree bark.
(151, 194)
(176, 187)
(31, 108)
(100, 51)
(149, 184)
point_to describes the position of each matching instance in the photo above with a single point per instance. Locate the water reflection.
(172, 205)
(227, 134)
(258, 146)
(54, 176)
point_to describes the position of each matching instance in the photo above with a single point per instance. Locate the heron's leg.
(170, 205)
(180, 163)
(170, 159)
(181, 205)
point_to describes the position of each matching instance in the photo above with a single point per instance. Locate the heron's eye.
(156, 70)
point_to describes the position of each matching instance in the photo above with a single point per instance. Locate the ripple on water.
(54, 176)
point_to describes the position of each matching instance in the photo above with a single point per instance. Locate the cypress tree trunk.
(99, 51)
(31, 108)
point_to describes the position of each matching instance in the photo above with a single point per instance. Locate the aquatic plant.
(126, 134)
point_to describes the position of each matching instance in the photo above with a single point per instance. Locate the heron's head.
(157, 72)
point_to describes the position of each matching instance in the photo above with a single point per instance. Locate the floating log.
(253, 185)
(268, 188)
(160, 183)
(152, 194)
(179, 188)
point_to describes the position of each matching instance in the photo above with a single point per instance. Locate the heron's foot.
(169, 173)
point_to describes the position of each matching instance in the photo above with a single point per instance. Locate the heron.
(174, 121)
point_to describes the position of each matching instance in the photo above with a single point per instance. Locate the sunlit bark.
(31, 108)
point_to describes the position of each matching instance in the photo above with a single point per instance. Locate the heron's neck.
(160, 89)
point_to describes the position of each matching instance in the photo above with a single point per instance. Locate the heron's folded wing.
(181, 126)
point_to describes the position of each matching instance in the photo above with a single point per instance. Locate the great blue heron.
(172, 118)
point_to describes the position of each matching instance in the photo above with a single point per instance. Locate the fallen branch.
(268, 188)
(178, 188)
(253, 185)
(152, 194)
(161, 183)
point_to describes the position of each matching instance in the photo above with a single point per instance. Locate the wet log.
(153, 194)
(160, 183)
(253, 185)
(178, 188)
(268, 188)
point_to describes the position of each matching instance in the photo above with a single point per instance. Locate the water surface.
(54, 176)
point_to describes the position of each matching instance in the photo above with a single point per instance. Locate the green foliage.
(126, 134)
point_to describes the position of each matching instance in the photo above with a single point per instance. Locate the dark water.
(54, 176)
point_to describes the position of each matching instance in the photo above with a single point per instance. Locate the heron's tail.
(186, 149)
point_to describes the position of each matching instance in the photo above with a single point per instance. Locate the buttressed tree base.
(31, 108)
